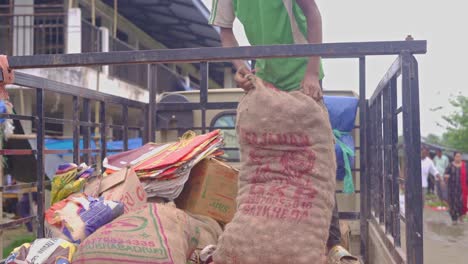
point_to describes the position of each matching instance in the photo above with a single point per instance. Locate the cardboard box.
(211, 190)
(122, 186)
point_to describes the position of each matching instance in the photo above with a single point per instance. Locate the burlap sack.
(286, 182)
(159, 234)
(209, 230)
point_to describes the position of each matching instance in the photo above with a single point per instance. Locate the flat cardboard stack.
(211, 190)
(164, 169)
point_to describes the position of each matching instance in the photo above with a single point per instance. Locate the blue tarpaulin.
(342, 111)
(64, 144)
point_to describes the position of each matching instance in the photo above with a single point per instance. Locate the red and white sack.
(286, 182)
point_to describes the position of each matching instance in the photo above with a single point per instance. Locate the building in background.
(30, 27)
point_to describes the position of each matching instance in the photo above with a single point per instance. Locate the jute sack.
(158, 234)
(286, 182)
(209, 230)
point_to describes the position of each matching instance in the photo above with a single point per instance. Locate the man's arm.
(311, 80)
(228, 39)
(433, 170)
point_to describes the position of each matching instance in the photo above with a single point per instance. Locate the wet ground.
(444, 243)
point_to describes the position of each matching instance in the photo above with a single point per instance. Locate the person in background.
(427, 168)
(432, 178)
(441, 162)
(273, 22)
(457, 181)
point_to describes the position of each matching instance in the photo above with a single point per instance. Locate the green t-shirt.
(267, 22)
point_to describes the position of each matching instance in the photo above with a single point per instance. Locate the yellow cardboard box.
(211, 190)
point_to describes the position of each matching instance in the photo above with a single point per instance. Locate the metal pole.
(125, 127)
(76, 130)
(114, 29)
(152, 111)
(326, 50)
(102, 114)
(387, 160)
(40, 161)
(362, 156)
(87, 134)
(412, 135)
(379, 149)
(395, 164)
(203, 92)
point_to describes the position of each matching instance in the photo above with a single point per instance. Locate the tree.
(457, 129)
(434, 139)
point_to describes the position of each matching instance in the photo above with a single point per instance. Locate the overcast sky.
(443, 70)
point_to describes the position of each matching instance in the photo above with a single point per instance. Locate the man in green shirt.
(275, 22)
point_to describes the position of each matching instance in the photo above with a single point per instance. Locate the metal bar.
(152, 107)
(115, 150)
(102, 118)
(40, 125)
(204, 69)
(125, 126)
(387, 162)
(87, 129)
(362, 154)
(60, 121)
(90, 151)
(380, 172)
(31, 81)
(196, 106)
(17, 117)
(374, 175)
(349, 215)
(413, 189)
(341, 191)
(58, 151)
(76, 130)
(395, 164)
(145, 135)
(116, 127)
(21, 186)
(89, 124)
(14, 223)
(17, 152)
(394, 70)
(326, 50)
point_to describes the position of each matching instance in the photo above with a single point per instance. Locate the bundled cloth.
(69, 178)
(78, 216)
(286, 182)
(342, 111)
(43, 251)
(157, 233)
(164, 169)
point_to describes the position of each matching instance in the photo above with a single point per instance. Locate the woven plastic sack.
(43, 251)
(286, 181)
(78, 216)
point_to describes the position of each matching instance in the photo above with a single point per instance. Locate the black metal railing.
(376, 142)
(383, 181)
(82, 99)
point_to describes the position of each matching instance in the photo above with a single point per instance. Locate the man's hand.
(311, 87)
(242, 80)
